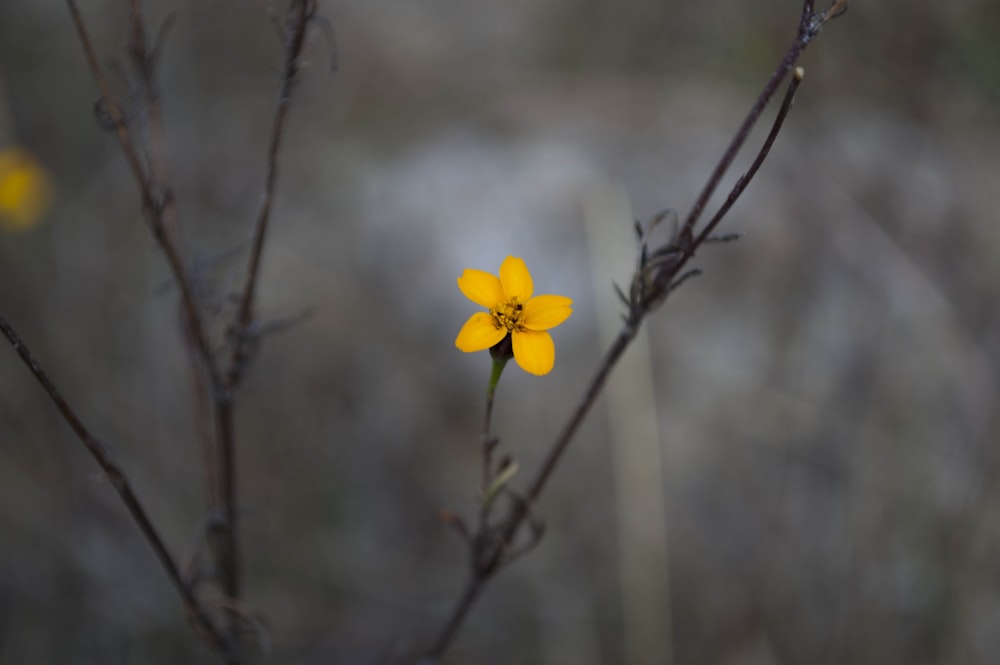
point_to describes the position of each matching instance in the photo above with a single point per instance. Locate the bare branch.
(153, 204)
(744, 180)
(789, 59)
(116, 476)
(297, 21)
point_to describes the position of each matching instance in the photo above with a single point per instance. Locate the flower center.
(508, 315)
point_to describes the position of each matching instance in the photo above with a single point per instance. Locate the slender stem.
(144, 64)
(474, 586)
(487, 437)
(787, 61)
(807, 30)
(229, 560)
(744, 180)
(204, 408)
(116, 476)
(521, 509)
(300, 14)
(159, 172)
(611, 357)
(152, 205)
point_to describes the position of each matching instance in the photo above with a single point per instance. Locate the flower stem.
(499, 362)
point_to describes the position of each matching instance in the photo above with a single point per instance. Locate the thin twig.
(744, 180)
(810, 25)
(474, 586)
(152, 205)
(116, 476)
(300, 14)
(787, 62)
(144, 61)
(611, 357)
(159, 207)
(243, 340)
(228, 559)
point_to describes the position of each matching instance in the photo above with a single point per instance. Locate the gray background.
(826, 393)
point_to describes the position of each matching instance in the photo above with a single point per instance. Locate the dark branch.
(744, 180)
(297, 21)
(116, 476)
(243, 341)
(153, 205)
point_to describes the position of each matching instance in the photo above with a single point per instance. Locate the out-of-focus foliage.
(827, 391)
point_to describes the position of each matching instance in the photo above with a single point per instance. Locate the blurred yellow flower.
(25, 190)
(512, 311)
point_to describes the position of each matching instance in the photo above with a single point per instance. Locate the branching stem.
(242, 339)
(490, 548)
(160, 209)
(297, 22)
(153, 204)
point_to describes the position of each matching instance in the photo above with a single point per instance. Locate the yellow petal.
(481, 288)
(516, 279)
(479, 333)
(534, 351)
(544, 312)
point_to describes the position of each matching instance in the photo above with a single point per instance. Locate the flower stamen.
(508, 315)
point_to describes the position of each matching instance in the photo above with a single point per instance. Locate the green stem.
(487, 439)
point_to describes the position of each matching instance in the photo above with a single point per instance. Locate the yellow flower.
(24, 190)
(512, 311)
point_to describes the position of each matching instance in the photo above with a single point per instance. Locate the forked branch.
(155, 200)
(241, 337)
(152, 177)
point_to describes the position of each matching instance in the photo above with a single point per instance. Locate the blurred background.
(798, 464)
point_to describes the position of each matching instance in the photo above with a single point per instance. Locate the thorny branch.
(658, 273)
